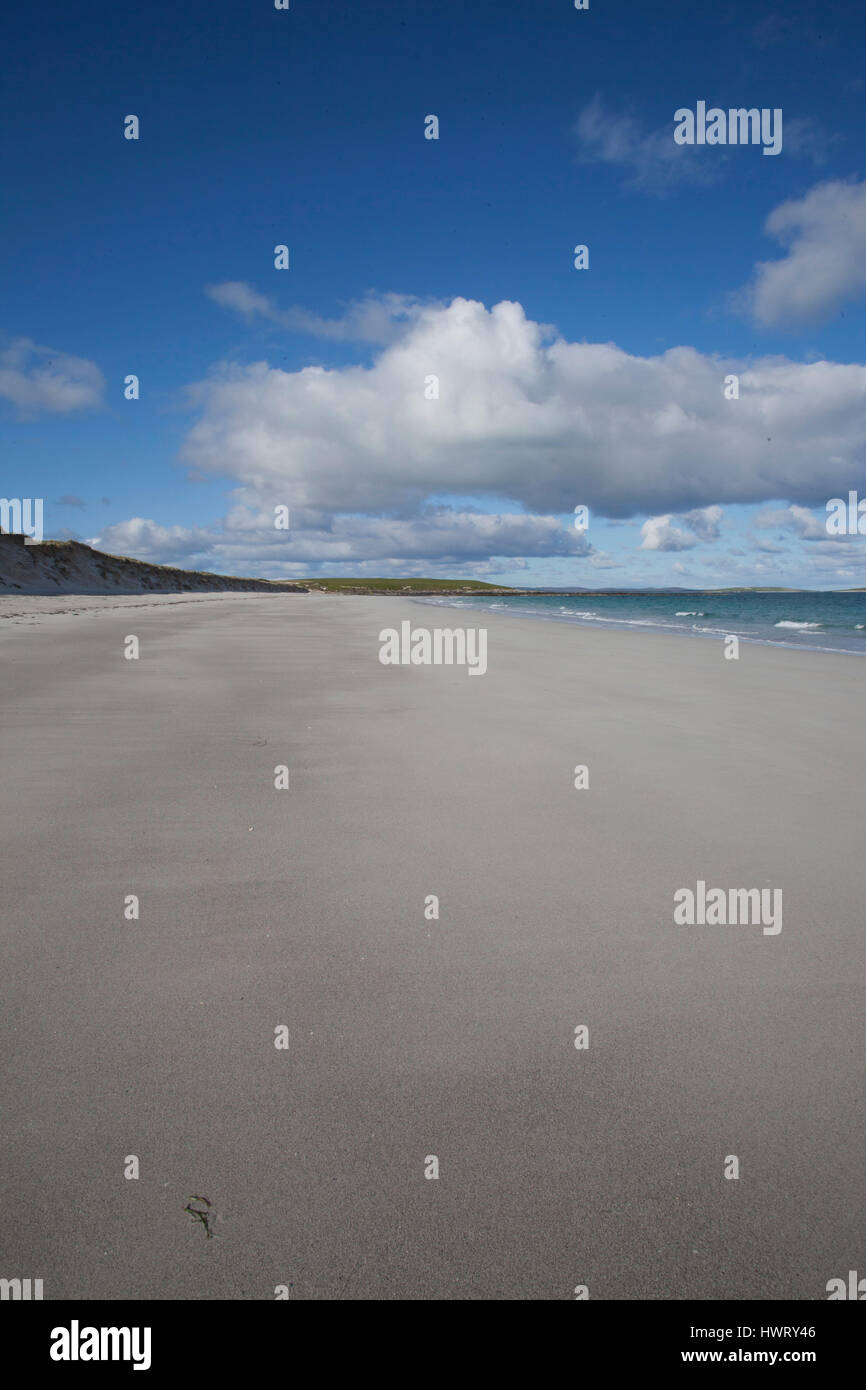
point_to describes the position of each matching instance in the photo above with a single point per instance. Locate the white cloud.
(797, 519)
(826, 261)
(376, 318)
(440, 535)
(237, 295)
(658, 534)
(145, 540)
(41, 379)
(542, 424)
(704, 521)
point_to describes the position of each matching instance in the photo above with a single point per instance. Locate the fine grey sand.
(410, 1037)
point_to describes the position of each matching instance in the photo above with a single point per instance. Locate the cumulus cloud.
(42, 380)
(438, 534)
(825, 266)
(798, 523)
(541, 423)
(799, 520)
(376, 318)
(526, 427)
(145, 540)
(657, 533)
(705, 522)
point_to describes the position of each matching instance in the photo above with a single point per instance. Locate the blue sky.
(306, 387)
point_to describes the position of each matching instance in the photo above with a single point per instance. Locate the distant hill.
(477, 586)
(408, 586)
(69, 567)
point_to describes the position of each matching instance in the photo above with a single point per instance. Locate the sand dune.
(69, 567)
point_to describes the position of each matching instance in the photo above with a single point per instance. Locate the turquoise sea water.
(801, 619)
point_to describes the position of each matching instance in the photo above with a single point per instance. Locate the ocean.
(802, 619)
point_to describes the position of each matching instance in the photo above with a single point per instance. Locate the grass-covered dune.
(70, 567)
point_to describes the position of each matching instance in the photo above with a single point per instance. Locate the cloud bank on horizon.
(521, 416)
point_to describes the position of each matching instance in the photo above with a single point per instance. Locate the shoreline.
(658, 626)
(28, 609)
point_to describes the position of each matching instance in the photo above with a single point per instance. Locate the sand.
(411, 1037)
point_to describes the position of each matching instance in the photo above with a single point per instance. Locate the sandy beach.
(411, 1037)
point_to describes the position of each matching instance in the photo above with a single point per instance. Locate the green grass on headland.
(405, 586)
